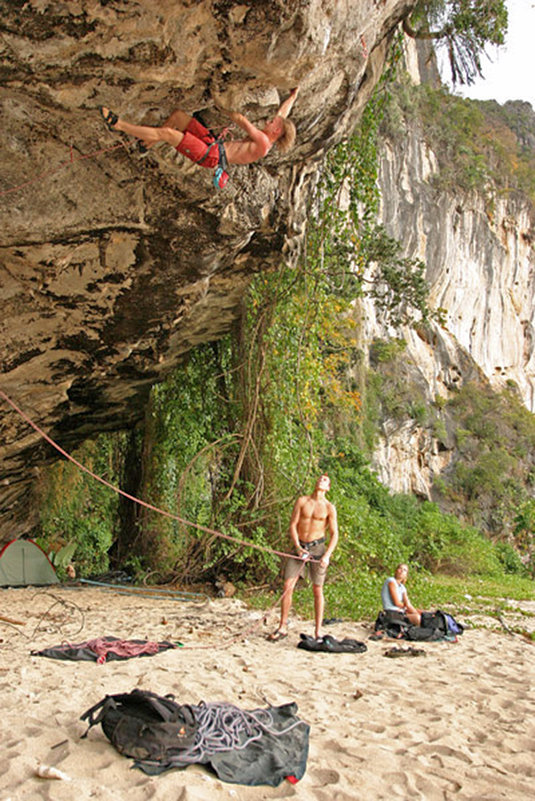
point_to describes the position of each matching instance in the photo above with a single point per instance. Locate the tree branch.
(423, 33)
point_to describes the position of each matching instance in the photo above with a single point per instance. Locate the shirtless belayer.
(312, 517)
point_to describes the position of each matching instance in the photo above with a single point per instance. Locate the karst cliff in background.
(478, 248)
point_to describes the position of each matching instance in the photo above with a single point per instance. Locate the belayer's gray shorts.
(294, 567)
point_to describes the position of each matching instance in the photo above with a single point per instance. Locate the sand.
(457, 723)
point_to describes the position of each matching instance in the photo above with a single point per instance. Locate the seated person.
(394, 596)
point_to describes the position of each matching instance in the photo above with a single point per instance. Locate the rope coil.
(224, 727)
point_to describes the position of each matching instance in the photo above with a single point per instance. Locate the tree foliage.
(78, 511)
(479, 145)
(463, 27)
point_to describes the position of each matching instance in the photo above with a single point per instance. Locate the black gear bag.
(143, 725)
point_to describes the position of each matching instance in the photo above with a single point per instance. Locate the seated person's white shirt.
(386, 597)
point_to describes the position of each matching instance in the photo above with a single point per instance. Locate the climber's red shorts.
(196, 142)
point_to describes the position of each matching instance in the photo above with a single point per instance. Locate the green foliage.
(381, 529)
(481, 146)
(524, 532)
(191, 443)
(439, 430)
(469, 592)
(464, 28)
(443, 545)
(495, 435)
(400, 288)
(394, 390)
(357, 596)
(510, 559)
(63, 557)
(489, 483)
(79, 515)
(384, 350)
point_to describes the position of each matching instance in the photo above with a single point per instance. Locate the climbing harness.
(221, 175)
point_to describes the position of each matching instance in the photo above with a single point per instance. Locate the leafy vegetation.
(489, 483)
(357, 596)
(480, 145)
(79, 515)
(463, 27)
(493, 483)
(351, 252)
(468, 595)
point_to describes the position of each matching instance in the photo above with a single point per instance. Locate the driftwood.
(14, 622)
(524, 634)
(504, 624)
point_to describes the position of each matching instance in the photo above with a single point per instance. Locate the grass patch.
(359, 598)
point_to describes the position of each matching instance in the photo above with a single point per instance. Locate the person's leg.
(413, 615)
(292, 570)
(150, 135)
(286, 603)
(318, 575)
(182, 121)
(319, 606)
(178, 119)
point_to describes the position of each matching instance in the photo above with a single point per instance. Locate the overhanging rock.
(112, 268)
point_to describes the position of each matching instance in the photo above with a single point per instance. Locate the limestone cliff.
(480, 260)
(113, 268)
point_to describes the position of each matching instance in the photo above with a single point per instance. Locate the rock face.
(481, 266)
(481, 270)
(409, 456)
(113, 268)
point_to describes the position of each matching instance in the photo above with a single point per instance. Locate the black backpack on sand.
(423, 634)
(434, 620)
(143, 725)
(393, 623)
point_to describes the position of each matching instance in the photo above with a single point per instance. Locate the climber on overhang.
(189, 136)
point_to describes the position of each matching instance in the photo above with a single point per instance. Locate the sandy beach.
(456, 723)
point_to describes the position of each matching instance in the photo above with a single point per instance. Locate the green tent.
(23, 562)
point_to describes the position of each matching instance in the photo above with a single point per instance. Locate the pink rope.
(205, 529)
